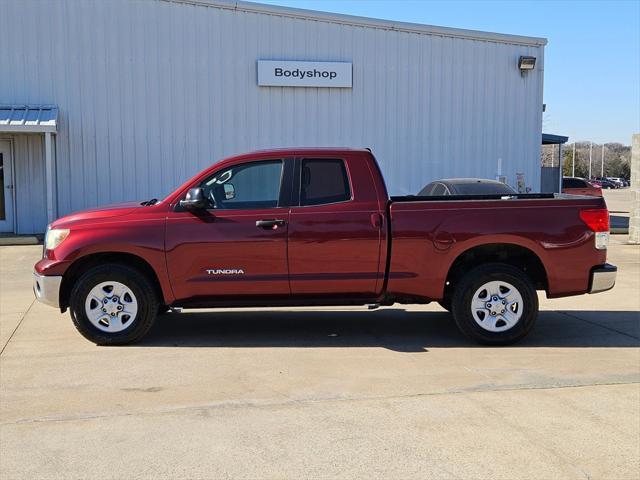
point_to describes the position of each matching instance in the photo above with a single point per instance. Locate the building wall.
(151, 91)
(29, 182)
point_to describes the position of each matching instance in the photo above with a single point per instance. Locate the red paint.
(228, 240)
(330, 252)
(334, 249)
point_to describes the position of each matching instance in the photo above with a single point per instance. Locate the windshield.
(483, 189)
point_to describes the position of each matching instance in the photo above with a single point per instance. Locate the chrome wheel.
(497, 306)
(111, 307)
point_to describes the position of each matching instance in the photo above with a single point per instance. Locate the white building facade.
(103, 102)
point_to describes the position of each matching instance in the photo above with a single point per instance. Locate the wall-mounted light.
(526, 63)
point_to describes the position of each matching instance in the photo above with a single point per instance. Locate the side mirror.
(229, 191)
(194, 200)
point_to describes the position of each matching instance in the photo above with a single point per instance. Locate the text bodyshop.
(297, 73)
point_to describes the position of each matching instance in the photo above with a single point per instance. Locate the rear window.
(573, 183)
(439, 190)
(484, 189)
(323, 181)
(426, 190)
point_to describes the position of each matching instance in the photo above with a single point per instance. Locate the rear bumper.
(47, 289)
(603, 278)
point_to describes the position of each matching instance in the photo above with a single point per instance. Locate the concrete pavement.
(618, 200)
(322, 393)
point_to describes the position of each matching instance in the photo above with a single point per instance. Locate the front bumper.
(47, 289)
(603, 278)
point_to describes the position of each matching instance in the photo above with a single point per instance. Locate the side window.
(323, 181)
(247, 186)
(438, 190)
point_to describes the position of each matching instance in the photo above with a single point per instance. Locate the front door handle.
(270, 224)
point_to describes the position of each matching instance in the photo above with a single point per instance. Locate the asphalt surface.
(322, 393)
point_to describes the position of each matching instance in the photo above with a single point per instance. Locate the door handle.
(376, 221)
(270, 224)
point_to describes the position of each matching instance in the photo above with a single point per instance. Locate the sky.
(592, 59)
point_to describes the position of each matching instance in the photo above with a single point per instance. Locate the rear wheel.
(495, 304)
(113, 304)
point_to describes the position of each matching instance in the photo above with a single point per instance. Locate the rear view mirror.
(229, 191)
(195, 200)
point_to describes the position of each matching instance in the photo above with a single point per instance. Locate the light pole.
(573, 161)
(590, 152)
(602, 161)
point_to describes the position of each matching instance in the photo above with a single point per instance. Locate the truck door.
(335, 229)
(238, 246)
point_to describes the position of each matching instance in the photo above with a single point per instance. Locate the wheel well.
(514, 255)
(81, 265)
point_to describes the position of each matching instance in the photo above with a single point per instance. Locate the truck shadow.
(392, 328)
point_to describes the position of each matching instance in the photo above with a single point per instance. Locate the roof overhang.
(339, 18)
(550, 139)
(28, 118)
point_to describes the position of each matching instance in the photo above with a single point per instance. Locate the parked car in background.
(616, 181)
(580, 186)
(465, 186)
(604, 183)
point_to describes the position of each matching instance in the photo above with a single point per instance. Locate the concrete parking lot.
(330, 393)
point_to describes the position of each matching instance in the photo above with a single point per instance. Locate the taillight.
(597, 219)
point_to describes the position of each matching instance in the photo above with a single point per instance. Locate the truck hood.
(105, 211)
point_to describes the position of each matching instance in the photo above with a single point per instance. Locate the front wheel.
(113, 304)
(495, 304)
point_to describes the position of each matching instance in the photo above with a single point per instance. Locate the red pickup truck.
(313, 227)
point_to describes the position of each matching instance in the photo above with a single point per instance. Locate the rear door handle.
(270, 224)
(376, 221)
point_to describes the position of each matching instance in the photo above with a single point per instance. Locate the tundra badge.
(225, 271)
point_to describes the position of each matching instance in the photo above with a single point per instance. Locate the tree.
(617, 158)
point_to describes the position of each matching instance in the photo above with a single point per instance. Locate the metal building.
(110, 101)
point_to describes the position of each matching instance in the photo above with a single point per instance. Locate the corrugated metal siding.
(29, 177)
(150, 92)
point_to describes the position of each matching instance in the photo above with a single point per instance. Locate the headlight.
(54, 237)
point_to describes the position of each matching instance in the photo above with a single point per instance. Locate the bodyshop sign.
(273, 73)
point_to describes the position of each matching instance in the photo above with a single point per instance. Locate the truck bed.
(435, 198)
(430, 233)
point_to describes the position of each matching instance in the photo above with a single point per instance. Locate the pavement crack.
(297, 402)
(17, 326)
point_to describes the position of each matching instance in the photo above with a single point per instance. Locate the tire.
(133, 314)
(512, 320)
